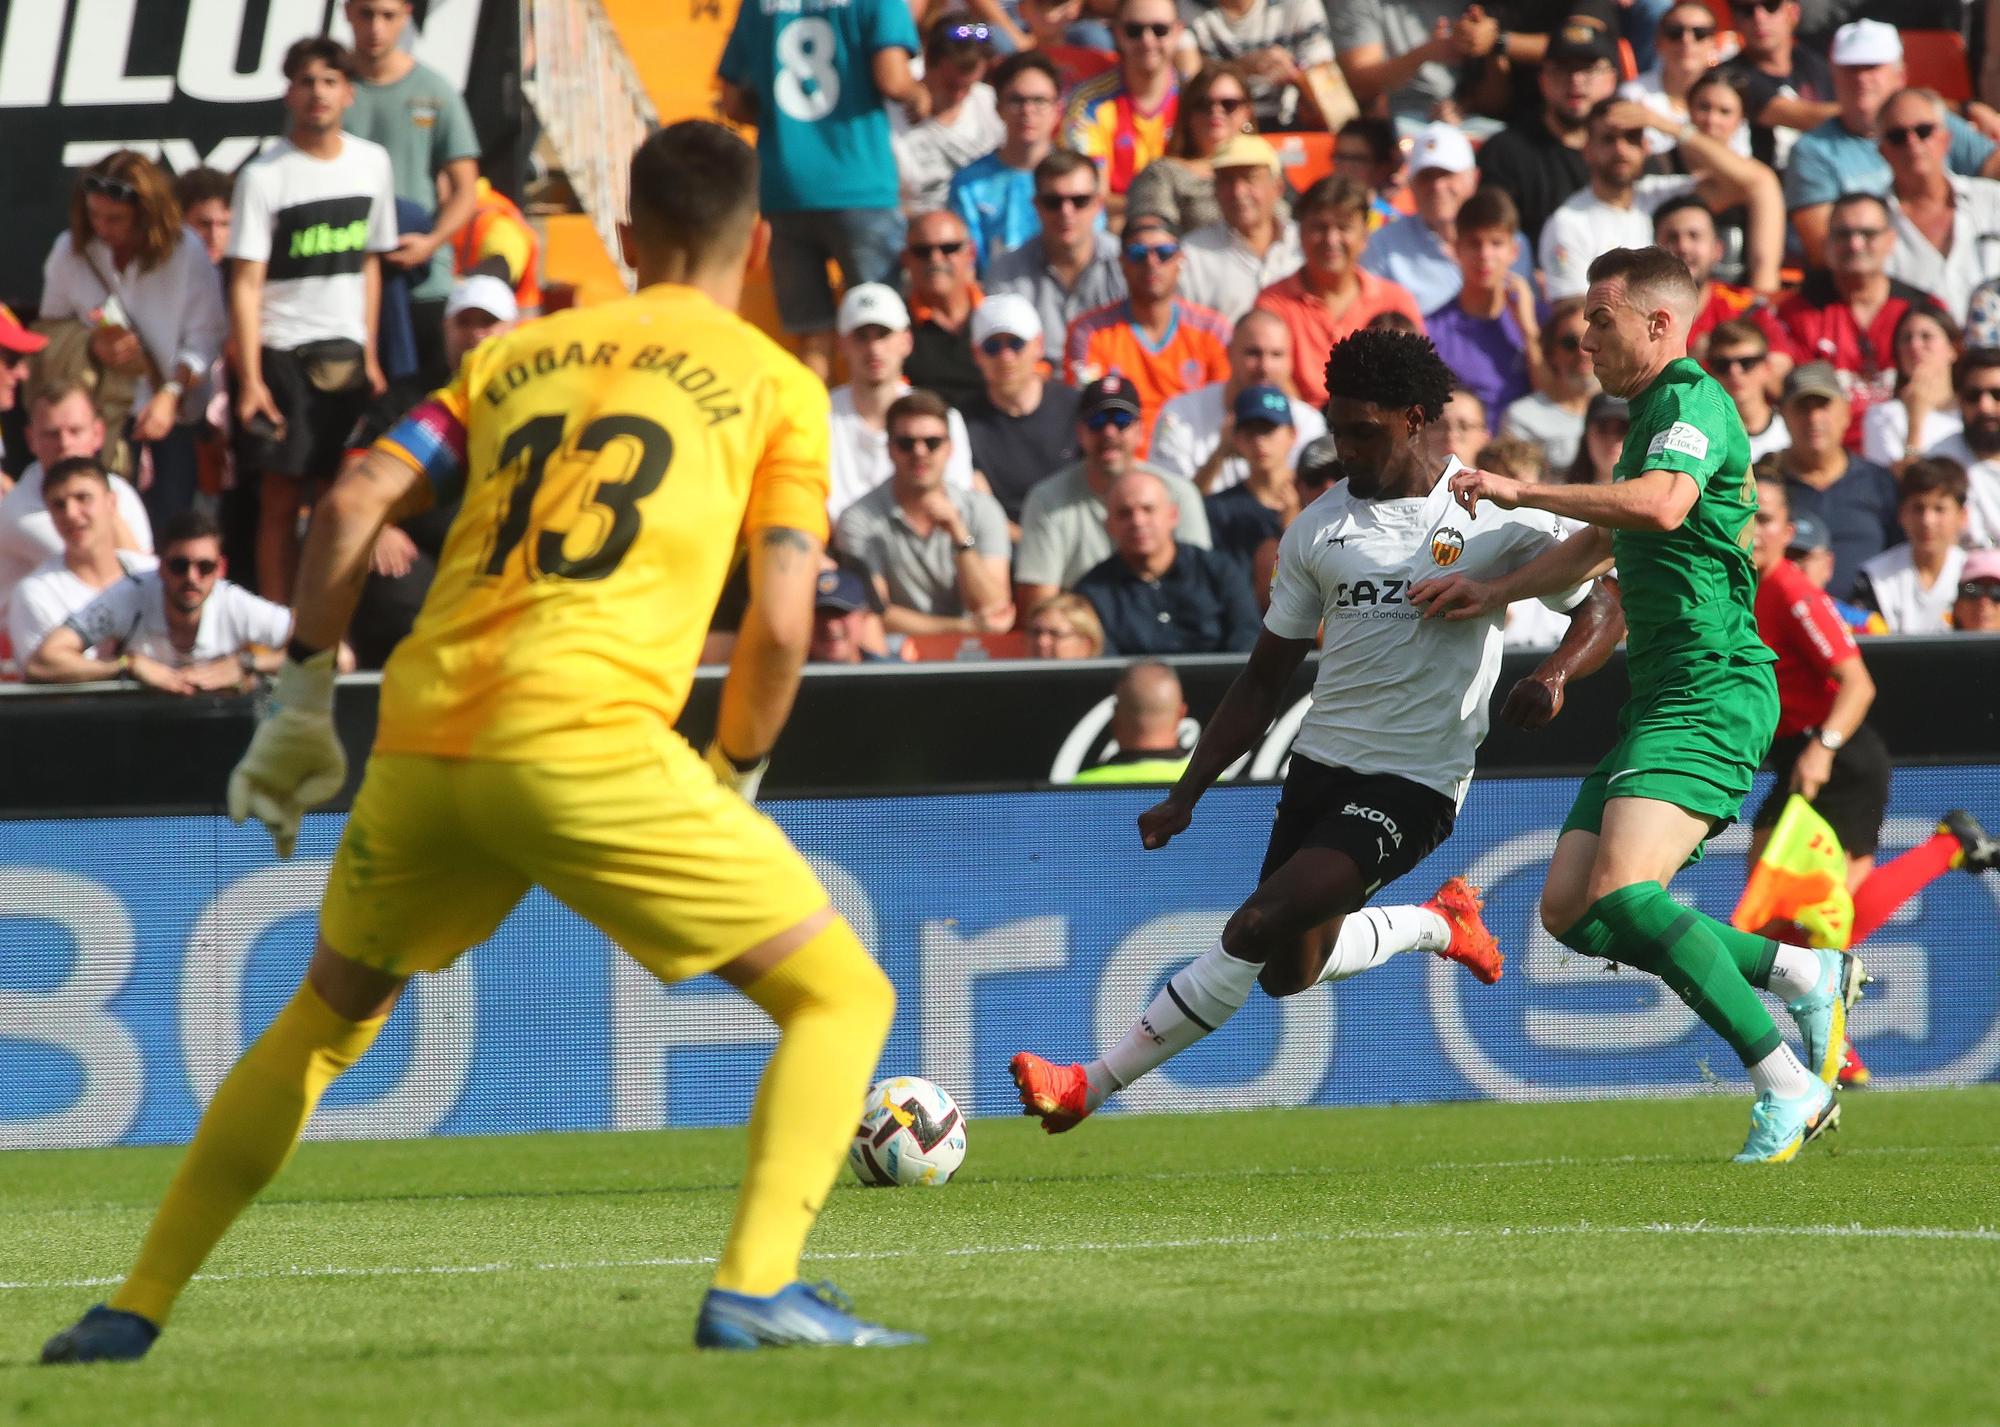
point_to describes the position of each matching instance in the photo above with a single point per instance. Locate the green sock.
(1650, 930)
(1754, 955)
(1590, 936)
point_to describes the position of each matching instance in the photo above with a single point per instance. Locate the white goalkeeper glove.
(295, 760)
(744, 781)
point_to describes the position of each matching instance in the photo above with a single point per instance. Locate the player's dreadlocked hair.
(1390, 369)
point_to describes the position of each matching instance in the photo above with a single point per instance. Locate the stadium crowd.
(1091, 257)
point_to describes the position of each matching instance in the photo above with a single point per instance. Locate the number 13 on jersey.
(626, 458)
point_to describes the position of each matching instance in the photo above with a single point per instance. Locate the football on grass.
(911, 1133)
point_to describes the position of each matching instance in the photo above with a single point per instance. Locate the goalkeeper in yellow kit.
(609, 461)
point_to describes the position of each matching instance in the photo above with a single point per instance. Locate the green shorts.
(1693, 737)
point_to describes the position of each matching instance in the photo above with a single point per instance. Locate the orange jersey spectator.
(1193, 353)
(498, 230)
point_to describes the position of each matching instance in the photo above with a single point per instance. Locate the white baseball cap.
(1441, 146)
(485, 292)
(872, 304)
(1867, 42)
(1007, 312)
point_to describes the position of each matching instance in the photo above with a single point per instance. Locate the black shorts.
(1385, 823)
(317, 423)
(1854, 798)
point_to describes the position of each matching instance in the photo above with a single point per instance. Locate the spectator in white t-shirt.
(964, 119)
(80, 506)
(1926, 196)
(1192, 439)
(1927, 345)
(1912, 586)
(62, 422)
(874, 328)
(312, 216)
(1615, 209)
(181, 628)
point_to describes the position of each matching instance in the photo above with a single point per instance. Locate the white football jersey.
(1397, 693)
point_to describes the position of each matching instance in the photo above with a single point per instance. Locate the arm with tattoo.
(772, 643)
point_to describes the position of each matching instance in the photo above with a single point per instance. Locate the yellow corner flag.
(1801, 877)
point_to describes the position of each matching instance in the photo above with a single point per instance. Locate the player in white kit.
(1383, 758)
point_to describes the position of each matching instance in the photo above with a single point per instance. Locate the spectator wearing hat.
(1606, 421)
(1847, 314)
(1945, 223)
(1062, 520)
(1615, 209)
(937, 554)
(1841, 155)
(480, 307)
(17, 344)
(1284, 49)
(1025, 425)
(1262, 504)
(826, 173)
(1071, 266)
(1193, 436)
(1180, 185)
(1156, 596)
(1810, 547)
(938, 267)
(1855, 499)
(1226, 264)
(1161, 342)
(1540, 160)
(1331, 295)
(994, 196)
(875, 340)
(1912, 586)
(1418, 250)
(1977, 608)
(1147, 711)
(847, 620)
(962, 122)
(1976, 447)
(1489, 335)
(1739, 356)
(1787, 87)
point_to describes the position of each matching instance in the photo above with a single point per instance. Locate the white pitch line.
(1697, 1228)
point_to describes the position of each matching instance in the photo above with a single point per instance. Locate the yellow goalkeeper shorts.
(647, 847)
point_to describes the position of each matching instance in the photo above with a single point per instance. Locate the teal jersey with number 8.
(1689, 593)
(822, 134)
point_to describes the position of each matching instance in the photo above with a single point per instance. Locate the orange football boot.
(1472, 946)
(1853, 1074)
(1058, 1094)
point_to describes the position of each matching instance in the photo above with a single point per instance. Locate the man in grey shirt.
(1071, 266)
(1409, 50)
(1062, 521)
(937, 553)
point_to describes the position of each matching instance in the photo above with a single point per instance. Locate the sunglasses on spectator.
(1053, 202)
(1028, 101)
(1901, 133)
(1979, 590)
(1975, 394)
(1158, 252)
(110, 187)
(1741, 363)
(1769, 7)
(1221, 104)
(942, 250)
(975, 34)
(1687, 32)
(13, 359)
(1849, 235)
(1001, 342)
(181, 564)
(909, 444)
(1118, 417)
(1136, 31)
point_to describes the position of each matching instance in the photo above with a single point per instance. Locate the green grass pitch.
(1480, 1263)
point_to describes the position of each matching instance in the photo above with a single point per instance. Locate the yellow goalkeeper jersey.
(609, 461)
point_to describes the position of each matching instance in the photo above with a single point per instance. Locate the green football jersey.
(1690, 593)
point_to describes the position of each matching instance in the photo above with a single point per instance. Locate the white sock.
(1794, 973)
(1372, 935)
(1197, 999)
(1783, 1074)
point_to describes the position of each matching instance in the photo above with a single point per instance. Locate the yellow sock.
(244, 1139)
(833, 1006)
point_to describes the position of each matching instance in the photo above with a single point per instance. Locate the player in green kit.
(1676, 521)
